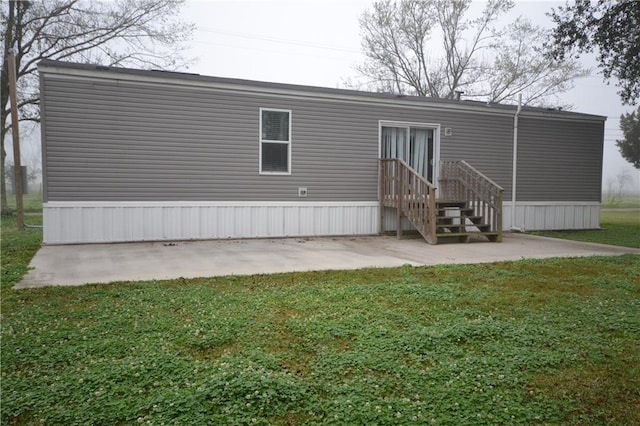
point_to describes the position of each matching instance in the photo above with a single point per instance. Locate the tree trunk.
(4, 99)
(3, 184)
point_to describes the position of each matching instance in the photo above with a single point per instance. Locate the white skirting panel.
(101, 222)
(390, 219)
(532, 216)
(552, 215)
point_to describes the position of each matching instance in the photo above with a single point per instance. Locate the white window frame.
(288, 143)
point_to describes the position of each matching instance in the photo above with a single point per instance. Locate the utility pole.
(15, 132)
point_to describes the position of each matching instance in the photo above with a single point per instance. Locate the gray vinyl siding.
(122, 141)
(116, 140)
(485, 142)
(43, 137)
(559, 160)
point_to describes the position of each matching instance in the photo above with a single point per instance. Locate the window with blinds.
(275, 141)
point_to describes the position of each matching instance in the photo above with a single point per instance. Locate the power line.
(280, 40)
(349, 59)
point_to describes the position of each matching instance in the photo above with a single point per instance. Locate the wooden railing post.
(431, 217)
(499, 215)
(401, 194)
(381, 192)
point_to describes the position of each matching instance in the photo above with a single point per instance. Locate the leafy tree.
(610, 27)
(142, 33)
(630, 146)
(488, 63)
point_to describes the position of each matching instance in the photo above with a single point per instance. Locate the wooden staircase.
(468, 204)
(457, 222)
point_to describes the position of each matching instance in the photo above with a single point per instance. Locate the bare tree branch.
(488, 63)
(144, 33)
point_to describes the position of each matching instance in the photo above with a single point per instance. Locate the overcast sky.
(318, 43)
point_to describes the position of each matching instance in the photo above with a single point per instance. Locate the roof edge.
(190, 79)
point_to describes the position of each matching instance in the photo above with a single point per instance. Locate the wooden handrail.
(469, 166)
(414, 197)
(460, 181)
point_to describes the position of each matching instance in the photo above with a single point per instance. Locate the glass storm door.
(413, 145)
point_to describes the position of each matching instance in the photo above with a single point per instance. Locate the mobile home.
(136, 155)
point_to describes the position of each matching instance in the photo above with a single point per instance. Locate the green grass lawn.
(628, 201)
(553, 341)
(619, 227)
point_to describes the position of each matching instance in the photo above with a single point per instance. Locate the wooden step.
(471, 233)
(458, 217)
(448, 238)
(442, 218)
(466, 236)
(450, 204)
(482, 227)
(462, 211)
(456, 234)
(455, 221)
(445, 223)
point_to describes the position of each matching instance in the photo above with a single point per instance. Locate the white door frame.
(411, 124)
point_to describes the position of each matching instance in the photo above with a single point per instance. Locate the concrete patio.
(72, 265)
